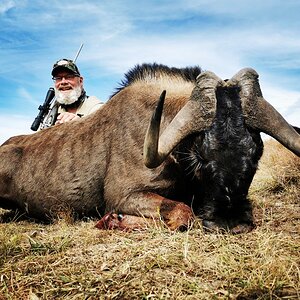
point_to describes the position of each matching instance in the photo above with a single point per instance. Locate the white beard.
(68, 97)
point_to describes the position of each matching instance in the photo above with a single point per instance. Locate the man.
(72, 103)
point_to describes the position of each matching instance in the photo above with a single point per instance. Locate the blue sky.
(220, 36)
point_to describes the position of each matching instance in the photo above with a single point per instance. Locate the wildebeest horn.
(197, 114)
(261, 115)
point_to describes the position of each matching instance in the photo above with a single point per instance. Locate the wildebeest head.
(216, 139)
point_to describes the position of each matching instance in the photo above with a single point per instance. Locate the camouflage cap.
(65, 64)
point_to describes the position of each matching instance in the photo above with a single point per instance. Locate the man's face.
(68, 87)
(65, 81)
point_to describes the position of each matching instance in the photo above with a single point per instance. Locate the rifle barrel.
(78, 52)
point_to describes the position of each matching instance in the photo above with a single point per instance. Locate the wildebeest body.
(206, 158)
(94, 165)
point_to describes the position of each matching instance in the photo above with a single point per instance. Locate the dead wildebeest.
(202, 164)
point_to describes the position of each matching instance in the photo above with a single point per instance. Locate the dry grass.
(68, 260)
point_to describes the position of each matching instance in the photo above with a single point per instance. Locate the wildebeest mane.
(153, 70)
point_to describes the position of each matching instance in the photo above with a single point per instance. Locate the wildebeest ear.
(297, 129)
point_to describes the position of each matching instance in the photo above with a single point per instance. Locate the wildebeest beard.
(221, 163)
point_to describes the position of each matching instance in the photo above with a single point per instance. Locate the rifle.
(49, 107)
(43, 110)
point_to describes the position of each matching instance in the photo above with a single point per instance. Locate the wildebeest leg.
(124, 222)
(142, 209)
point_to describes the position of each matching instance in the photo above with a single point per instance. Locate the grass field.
(73, 260)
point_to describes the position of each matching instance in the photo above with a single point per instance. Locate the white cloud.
(216, 36)
(12, 125)
(6, 5)
(26, 96)
(286, 102)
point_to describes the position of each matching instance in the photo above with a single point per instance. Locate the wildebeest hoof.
(124, 222)
(180, 217)
(109, 221)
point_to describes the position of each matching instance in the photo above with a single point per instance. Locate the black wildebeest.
(203, 162)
